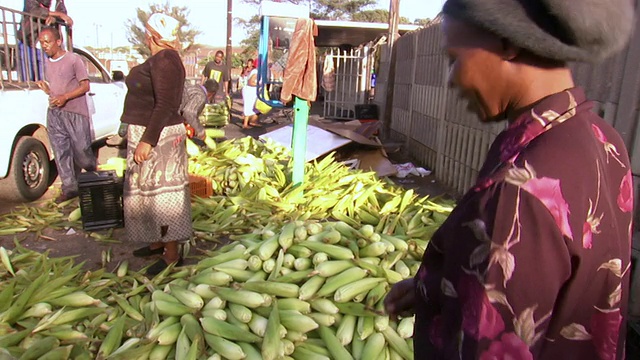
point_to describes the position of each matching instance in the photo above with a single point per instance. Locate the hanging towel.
(328, 74)
(300, 77)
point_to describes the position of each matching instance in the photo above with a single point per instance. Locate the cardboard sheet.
(319, 141)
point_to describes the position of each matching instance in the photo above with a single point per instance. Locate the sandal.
(158, 266)
(255, 125)
(148, 251)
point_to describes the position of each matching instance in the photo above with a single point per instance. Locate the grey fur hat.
(566, 30)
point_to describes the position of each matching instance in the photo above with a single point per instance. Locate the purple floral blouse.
(534, 261)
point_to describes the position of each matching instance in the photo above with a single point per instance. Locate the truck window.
(94, 72)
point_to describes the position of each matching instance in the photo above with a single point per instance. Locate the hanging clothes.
(328, 74)
(300, 78)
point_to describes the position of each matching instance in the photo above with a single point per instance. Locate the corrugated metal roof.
(335, 33)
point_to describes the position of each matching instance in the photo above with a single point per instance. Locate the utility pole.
(229, 51)
(394, 18)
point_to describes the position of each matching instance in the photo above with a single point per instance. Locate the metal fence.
(352, 69)
(439, 133)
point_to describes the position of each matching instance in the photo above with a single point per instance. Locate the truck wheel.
(29, 174)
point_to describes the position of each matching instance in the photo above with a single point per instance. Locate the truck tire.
(29, 172)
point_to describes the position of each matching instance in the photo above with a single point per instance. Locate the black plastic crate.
(633, 340)
(100, 195)
(366, 112)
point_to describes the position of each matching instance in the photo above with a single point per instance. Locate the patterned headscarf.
(164, 30)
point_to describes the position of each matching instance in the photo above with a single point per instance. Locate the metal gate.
(352, 83)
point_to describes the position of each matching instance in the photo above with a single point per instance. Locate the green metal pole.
(299, 139)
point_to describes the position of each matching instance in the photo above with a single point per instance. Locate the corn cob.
(335, 347)
(285, 238)
(224, 347)
(302, 264)
(296, 337)
(40, 347)
(334, 251)
(288, 260)
(324, 306)
(192, 328)
(294, 304)
(365, 327)
(322, 319)
(228, 331)
(299, 251)
(113, 339)
(373, 346)
(160, 352)
(405, 327)
(293, 320)
(311, 287)
(343, 278)
(330, 268)
(294, 276)
(210, 277)
(273, 288)
(187, 297)
(346, 329)
(302, 353)
(250, 351)
(270, 349)
(258, 324)
(239, 264)
(169, 335)
(319, 257)
(397, 343)
(240, 312)
(155, 331)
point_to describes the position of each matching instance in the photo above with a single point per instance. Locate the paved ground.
(86, 248)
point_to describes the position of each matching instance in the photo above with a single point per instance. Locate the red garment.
(300, 78)
(533, 263)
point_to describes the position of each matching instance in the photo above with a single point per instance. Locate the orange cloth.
(300, 76)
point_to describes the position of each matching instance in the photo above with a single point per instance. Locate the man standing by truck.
(68, 120)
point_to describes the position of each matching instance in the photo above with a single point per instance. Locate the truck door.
(105, 99)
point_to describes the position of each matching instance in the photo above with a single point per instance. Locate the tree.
(338, 9)
(422, 22)
(376, 16)
(319, 10)
(136, 32)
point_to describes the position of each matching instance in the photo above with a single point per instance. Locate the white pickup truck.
(26, 158)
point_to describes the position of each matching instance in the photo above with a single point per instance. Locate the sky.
(102, 23)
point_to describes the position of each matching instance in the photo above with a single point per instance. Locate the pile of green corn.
(215, 114)
(303, 278)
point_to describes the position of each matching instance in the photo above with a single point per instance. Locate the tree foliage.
(422, 22)
(338, 9)
(136, 31)
(376, 16)
(319, 10)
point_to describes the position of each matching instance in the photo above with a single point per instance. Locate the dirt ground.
(78, 243)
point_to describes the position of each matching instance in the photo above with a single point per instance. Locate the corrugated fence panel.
(441, 134)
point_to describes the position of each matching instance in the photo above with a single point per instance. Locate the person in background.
(28, 34)
(246, 69)
(533, 263)
(217, 70)
(68, 120)
(249, 97)
(157, 206)
(118, 78)
(194, 98)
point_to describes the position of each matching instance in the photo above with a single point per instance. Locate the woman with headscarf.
(249, 98)
(533, 263)
(157, 203)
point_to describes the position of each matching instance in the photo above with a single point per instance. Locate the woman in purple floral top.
(534, 261)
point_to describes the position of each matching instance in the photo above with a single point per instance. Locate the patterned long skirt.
(157, 205)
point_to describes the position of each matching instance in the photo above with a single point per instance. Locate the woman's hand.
(401, 299)
(142, 152)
